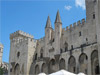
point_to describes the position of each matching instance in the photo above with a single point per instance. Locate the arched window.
(66, 46)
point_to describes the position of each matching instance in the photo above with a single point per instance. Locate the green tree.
(1, 71)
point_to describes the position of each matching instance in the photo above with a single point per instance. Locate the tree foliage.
(1, 71)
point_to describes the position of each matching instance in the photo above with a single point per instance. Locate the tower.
(22, 49)
(58, 32)
(90, 10)
(48, 33)
(97, 12)
(1, 53)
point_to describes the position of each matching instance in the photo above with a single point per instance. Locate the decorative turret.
(48, 24)
(58, 19)
(48, 30)
(58, 25)
(58, 32)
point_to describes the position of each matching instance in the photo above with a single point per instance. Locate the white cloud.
(68, 7)
(80, 3)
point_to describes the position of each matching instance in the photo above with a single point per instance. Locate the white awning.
(62, 72)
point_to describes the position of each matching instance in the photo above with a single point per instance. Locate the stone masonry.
(75, 48)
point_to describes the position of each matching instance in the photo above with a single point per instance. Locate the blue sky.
(30, 16)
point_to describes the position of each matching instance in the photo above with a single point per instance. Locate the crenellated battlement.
(19, 37)
(19, 32)
(74, 25)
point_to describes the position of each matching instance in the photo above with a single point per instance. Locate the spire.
(48, 24)
(58, 19)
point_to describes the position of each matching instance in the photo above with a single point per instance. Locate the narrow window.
(86, 57)
(72, 47)
(60, 50)
(93, 16)
(53, 40)
(86, 39)
(41, 55)
(66, 49)
(36, 56)
(80, 34)
(18, 54)
(66, 46)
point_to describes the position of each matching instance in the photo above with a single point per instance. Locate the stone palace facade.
(75, 48)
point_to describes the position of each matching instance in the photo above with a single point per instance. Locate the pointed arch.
(37, 69)
(95, 63)
(83, 61)
(52, 64)
(17, 69)
(62, 64)
(44, 68)
(72, 64)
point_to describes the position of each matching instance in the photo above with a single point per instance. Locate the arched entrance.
(72, 64)
(17, 69)
(95, 63)
(62, 64)
(37, 69)
(44, 68)
(52, 66)
(83, 61)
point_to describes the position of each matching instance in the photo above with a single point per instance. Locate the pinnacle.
(58, 19)
(48, 24)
